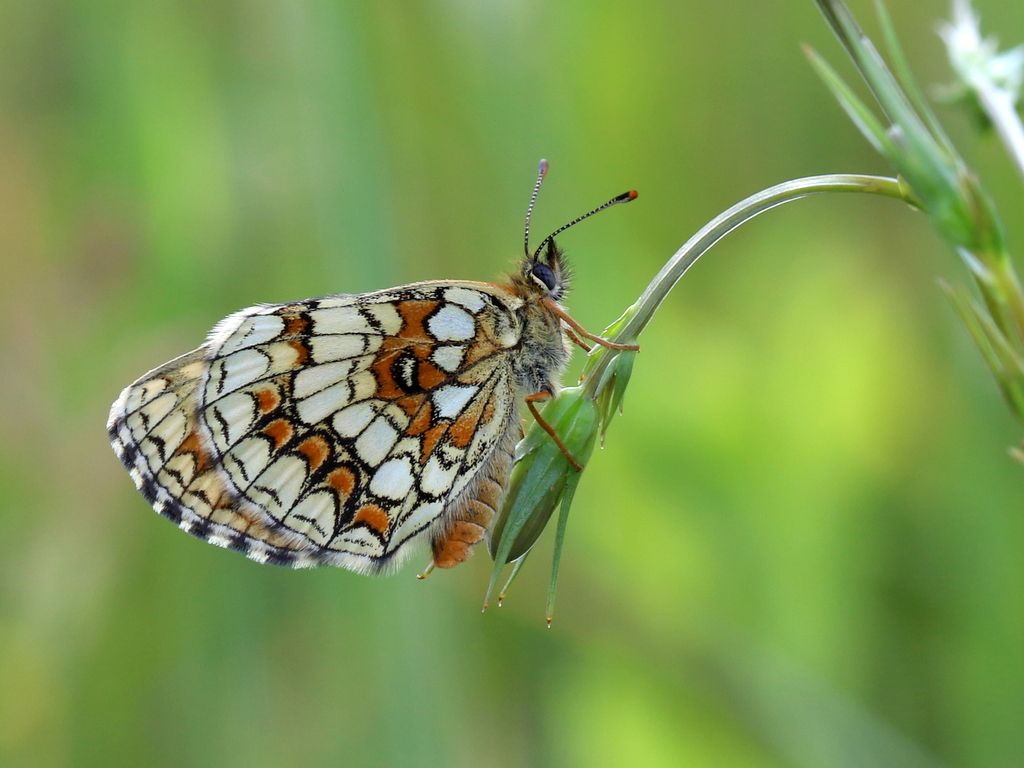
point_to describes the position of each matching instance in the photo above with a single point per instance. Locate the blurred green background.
(803, 544)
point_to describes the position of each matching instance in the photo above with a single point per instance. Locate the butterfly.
(346, 430)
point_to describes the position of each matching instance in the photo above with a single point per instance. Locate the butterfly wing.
(332, 430)
(155, 432)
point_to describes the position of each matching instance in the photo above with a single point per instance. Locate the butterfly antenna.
(625, 197)
(542, 171)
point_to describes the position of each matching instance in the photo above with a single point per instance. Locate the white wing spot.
(471, 300)
(311, 380)
(155, 410)
(352, 420)
(506, 333)
(318, 407)
(246, 460)
(253, 331)
(283, 357)
(313, 517)
(230, 418)
(450, 400)
(364, 384)
(327, 348)
(233, 333)
(135, 397)
(436, 480)
(173, 430)
(344, 319)
(448, 358)
(387, 316)
(452, 324)
(279, 485)
(376, 442)
(393, 479)
(235, 371)
(407, 371)
(421, 517)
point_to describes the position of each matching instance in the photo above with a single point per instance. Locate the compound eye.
(543, 273)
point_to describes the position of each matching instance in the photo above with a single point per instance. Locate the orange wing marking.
(191, 445)
(428, 375)
(373, 516)
(281, 431)
(295, 325)
(316, 450)
(413, 313)
(343, 481)
(267, 399)
(301, 351)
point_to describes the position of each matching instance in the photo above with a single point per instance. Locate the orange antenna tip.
(625, 197)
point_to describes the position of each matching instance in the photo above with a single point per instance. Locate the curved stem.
(639, 315)
(724, 223)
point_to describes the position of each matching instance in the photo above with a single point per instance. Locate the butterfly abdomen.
(454, 544)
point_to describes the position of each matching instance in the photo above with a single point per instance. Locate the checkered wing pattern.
(329, 431)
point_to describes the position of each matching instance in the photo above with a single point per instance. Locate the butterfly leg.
(540, 397)
(577, 340)
(562, 315)
(426, 571)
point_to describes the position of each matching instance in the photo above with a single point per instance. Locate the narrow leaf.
(909, 83)
(865, 120)
(1004, 362)
(623, 372)
(540, 481)
(512, 577)
(962, 303)
(563, 520)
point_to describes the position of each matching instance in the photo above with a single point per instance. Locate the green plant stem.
(1009, 283)
(640, 314)
(999, 108)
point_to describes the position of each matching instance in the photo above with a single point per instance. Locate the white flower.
(976, 60)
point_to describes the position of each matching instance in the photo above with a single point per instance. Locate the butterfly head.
(543, 273)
